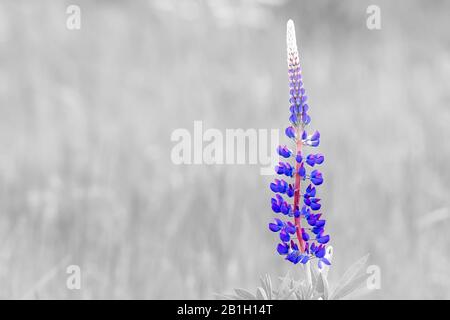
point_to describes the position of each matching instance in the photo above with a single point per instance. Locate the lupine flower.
(299, 244)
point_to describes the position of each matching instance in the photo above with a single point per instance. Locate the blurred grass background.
(85, 124)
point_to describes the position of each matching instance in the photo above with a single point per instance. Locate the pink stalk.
(293, 64)
(297, 221)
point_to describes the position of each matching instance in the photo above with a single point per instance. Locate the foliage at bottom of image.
(314, 286)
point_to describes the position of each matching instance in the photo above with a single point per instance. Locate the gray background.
(85, 124)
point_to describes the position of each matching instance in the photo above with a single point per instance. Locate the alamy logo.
(373, 282)
(73, 21)
(234, 146)
(373, 21)
(73, 281)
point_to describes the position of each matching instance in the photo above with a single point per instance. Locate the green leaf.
(244, 294)
(353, 285)
(261, 294)
(314, 276)
(285, 281)
(286, 294)
(303, 291)
(220, 296)
(349, 275)
(299, 294)
(307, 268)
(266, 283)
(325, 288)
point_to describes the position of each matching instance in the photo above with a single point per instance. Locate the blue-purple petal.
(284, 236)
(324, 239)
(274, 227)
(283, 248)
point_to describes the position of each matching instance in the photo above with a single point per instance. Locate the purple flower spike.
(298, 245)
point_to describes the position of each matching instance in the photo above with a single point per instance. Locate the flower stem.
(297, 221)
